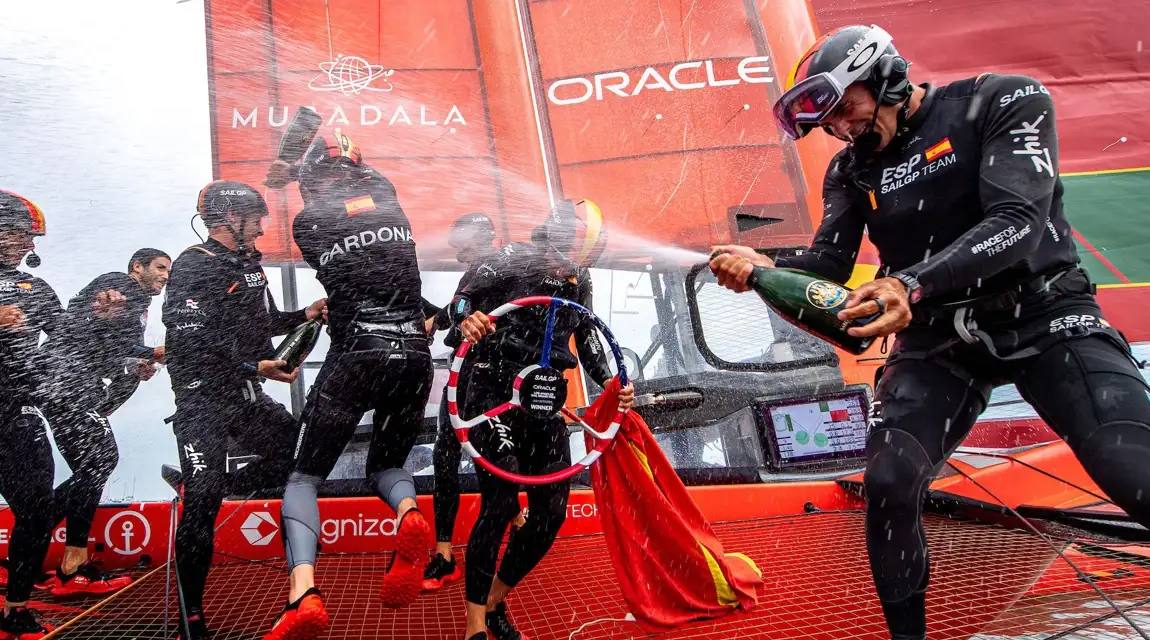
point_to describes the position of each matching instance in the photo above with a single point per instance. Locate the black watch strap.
(913, 288)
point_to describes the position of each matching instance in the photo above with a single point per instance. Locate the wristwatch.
(913, 288)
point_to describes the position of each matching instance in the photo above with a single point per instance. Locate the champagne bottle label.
(825, 295)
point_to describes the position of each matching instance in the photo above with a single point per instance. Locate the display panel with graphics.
(823, 430)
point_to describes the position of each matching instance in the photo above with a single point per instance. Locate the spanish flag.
(359, 204)
(939, 149)
(670, 566)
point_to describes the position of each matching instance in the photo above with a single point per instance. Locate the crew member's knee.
(393, 486)
(897, 469)
(1115, 456)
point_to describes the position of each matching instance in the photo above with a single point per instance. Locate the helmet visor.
(807, 104)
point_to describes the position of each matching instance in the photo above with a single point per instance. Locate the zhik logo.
(259, 528)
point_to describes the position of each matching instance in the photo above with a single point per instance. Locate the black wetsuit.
(87, 350)
(358, 239)
(447, 452)
(220, 318)
(518, 440)
(967, 200)
(26, 466)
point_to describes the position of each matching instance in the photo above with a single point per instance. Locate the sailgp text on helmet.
(234, 205)
(819, 80)
(20, 221)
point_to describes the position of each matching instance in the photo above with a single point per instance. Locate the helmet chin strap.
(869, 140)
(238, 236)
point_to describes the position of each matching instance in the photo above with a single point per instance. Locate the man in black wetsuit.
(958, 188)
(220, 318)
(354, 233)
(554, 264)
(28, 307)
(88, 349)
(471, 236)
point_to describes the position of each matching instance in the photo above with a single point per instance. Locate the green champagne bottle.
(811, 304)
(298, 344)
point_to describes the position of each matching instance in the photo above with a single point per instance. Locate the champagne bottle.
(811, 304)
(298, 344)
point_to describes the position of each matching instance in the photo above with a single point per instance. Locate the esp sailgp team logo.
(825, 295)
(259, 528)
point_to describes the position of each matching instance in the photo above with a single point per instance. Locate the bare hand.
(11, 318)
(894, 307)
(627, 397)
(317, 309)
(159, 354)
(429, 326)
(145, 370)
(475, 326)
(732, 265)
(109, 304)
(276, 370)
(280, 174)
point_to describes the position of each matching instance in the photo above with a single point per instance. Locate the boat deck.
(987, 582)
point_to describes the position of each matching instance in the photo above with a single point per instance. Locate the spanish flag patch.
(359, 204)
(939, 149)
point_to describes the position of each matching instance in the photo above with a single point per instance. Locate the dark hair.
(145, 257)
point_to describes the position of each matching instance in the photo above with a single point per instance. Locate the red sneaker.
(23, 624)
(404, 578)
(441, 572)
(304, 619)
(88, 580)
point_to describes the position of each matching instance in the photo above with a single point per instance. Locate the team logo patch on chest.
(255, 279)
(9, 286)
(937, 156)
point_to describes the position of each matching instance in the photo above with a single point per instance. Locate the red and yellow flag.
(940, 148)
(359, 204)
(670, 566)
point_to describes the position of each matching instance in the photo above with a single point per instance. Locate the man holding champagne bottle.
(958, 188)
(356, 236)
(220, 318)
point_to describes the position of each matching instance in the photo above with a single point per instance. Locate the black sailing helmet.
(816, 84)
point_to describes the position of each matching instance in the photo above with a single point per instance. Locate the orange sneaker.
(88, 580)
(404, 578)
(304, 619)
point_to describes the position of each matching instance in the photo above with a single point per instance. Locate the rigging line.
(1043, 472)
(1081, 574)
(327, 18)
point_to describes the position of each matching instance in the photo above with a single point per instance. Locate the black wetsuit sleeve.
(591, 352)
(493, 278)
(429, 309)
(836, 243)
(281, 322)
(1017, 179)
(120, 336)
(50, 309)
(199, 334)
